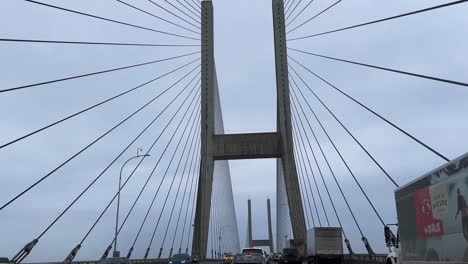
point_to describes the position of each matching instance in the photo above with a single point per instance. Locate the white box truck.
(433, 216)
(324, 245)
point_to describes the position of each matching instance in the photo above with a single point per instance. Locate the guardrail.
(364, 259)
(133, 261)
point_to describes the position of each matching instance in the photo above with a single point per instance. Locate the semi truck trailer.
(433, 217)
(324, 245)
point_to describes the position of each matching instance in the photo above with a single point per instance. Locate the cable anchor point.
(72, 254)
(348, 246)
(368, 246)
(106, 253)
(24, 252)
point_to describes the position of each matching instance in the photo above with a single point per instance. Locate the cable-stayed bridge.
(185, 202)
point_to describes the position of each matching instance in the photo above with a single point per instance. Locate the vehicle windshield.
(252, 251)
(248, 259)
(290, 251)
(180, 257)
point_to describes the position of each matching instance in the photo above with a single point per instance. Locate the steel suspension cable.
(432, 78)
(170, 188)
(194, 154)
(186, 6)
(374, 113)
(182, 11)
(74, 155)
(109, 167)
(302, 186)
(211, 226)
(193, 206)
(289, 6)
(364, 239)
(150, 148)
(155, 16)
(310, 165)
(219, 221)
(152, 173)
(303, 150)
(93, 73)
(302, 157)
(300, 12)
(27, 249)
(193, 171)
(299, 164)
(93, 106)
(174, 14)
(141, 161)
(196, 7)
(345, 128)
(215, 225)
(383, 19)
(162, 156)
(152, 202)
(294, 9)
(110, 20)
(42, 41)
(141, 228)
(192, 141)
(297, 116)
(318, 167)
(348, 245)
(339, 153)
(314, 17)
(136, 200)
(196, 3)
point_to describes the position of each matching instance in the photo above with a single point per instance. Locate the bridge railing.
(133, 261)
(364, 259)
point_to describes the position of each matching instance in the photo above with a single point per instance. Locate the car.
(290, 256)
(253, 250)
(182, 259)
(228, 258)
(275, 257)
(248, 258)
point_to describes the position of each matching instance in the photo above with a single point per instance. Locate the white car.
(258, 251)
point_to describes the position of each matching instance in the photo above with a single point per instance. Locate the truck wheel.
(431, 255)
(465, 227)
(389, 261)
(465, 256)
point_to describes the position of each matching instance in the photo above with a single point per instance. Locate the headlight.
(182, 262)
(170, 262)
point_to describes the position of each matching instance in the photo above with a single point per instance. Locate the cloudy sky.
(433, 43)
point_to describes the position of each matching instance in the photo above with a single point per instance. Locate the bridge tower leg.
(208, 82)
(286, 168)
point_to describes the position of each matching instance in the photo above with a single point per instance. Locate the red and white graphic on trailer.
(428, 226)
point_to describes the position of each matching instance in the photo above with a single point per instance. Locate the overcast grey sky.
(433, 43)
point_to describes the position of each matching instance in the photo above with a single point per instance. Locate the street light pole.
(117, 253)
